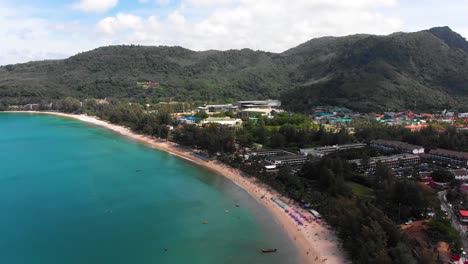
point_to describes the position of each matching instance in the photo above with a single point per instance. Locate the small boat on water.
(269, 250)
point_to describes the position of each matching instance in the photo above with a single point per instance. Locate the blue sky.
(51, 29)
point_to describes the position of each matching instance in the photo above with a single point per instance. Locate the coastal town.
(233, 131)
(296, 143)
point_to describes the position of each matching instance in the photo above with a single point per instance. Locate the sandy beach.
(315, 243)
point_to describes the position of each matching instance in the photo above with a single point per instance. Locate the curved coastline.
(314, 243)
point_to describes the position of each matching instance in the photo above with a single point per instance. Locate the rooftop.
(463, 213)
(387, 158)
(450, 153)
(268, 150)
(336, 147)
(288, 157)
(213, 119)
(258, 102)
(396, 144)
(260, 110)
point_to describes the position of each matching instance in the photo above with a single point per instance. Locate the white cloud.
(129, 29)
(28, 37)
(259, 24)
(176, 19)
(212, 2)
(95, 6)
(164, 2)
(121, 21)
(160, 2)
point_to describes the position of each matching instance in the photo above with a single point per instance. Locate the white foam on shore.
(180, 156)
(243, 188)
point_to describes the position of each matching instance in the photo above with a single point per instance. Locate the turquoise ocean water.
(74, 193)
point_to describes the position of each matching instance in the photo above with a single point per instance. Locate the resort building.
(449, 157)
(257, 111)
(264, 107)
(271, 168)
(258, 104)
(291, 160)
(30, 107)
(388, 145)
(270, 152)
(322, 151)
(222, 121)
(416, 127)
(460, 174)
(222, 108)
(395, 161)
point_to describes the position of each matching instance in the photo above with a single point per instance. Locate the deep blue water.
(74, 193)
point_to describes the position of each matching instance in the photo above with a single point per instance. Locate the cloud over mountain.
(95, 6)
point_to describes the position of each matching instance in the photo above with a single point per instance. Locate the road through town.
(454, 220)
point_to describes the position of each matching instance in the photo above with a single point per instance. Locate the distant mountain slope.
(427, 69)
(114, 71)
(399, 71)
(451, 38)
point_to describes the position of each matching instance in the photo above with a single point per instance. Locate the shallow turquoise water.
(74, 193)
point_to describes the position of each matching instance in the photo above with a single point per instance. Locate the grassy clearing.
(361, 190)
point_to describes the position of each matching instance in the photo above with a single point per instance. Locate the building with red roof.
(426, 180)
(463, 214)
(455, 259)
(416, 127)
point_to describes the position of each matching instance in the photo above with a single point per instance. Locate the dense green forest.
(424, 70)
(429, 137)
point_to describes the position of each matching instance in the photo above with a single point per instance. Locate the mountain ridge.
(424, 70)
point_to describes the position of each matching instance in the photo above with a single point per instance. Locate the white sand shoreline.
(315, 243)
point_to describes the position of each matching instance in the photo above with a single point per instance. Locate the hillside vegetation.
(423, 70)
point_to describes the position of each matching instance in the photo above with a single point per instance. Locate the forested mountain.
(400, 71)
(423, 70)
